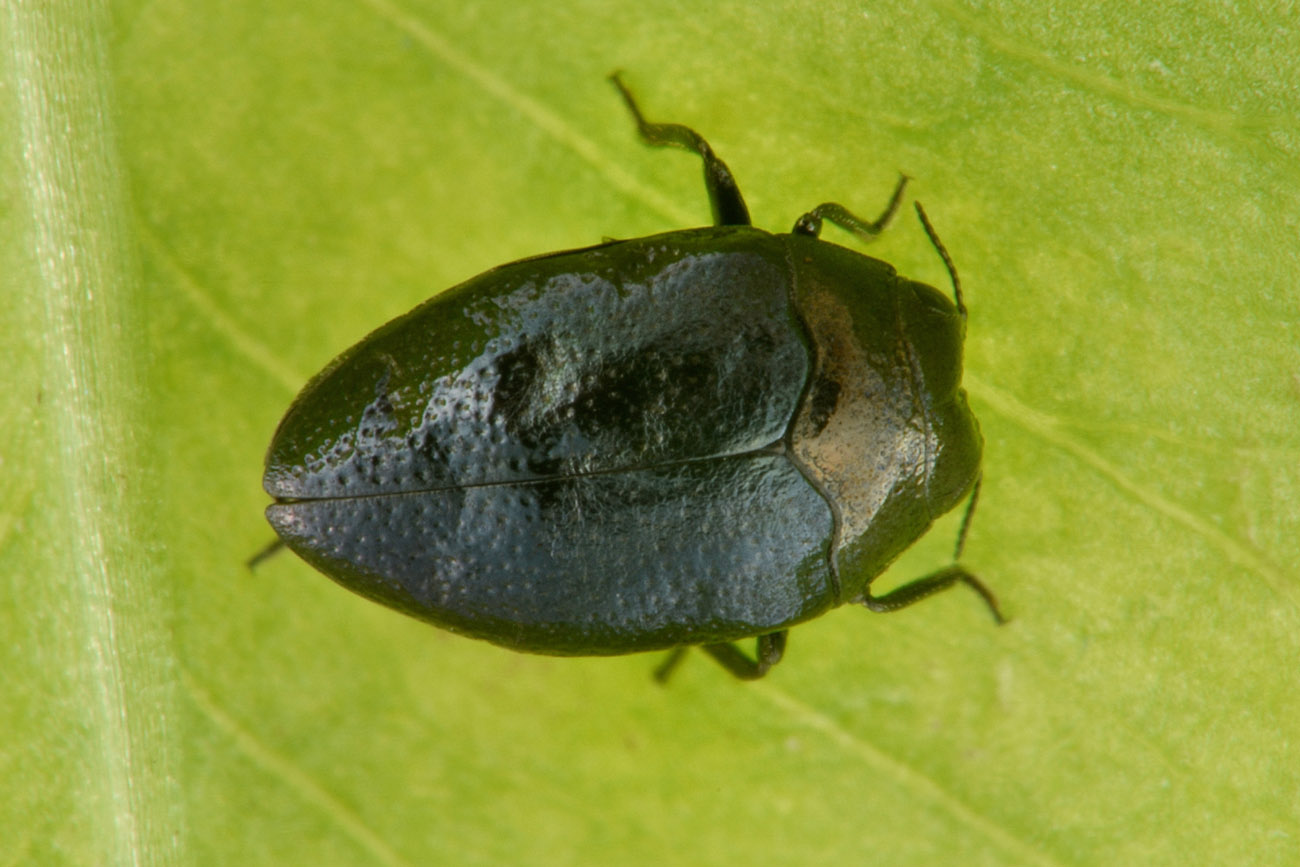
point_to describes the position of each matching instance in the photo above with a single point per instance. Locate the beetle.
(686, 439)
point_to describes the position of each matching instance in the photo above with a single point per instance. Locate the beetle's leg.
(669, 665)
(915, 591)
(266, 553)
(811, 222)
(728, 205)
(770, 648)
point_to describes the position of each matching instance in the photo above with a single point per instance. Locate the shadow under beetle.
(685, 439)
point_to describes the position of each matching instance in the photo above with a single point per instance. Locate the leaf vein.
(548, 121)
(904, 775)
(1050, 431)
(290, 774)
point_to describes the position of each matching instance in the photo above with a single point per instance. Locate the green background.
(202, 202)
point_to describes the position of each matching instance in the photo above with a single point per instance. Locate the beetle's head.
(884, 428)
(932, 333)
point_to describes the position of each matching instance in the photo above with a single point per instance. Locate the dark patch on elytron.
(626, 447)
(377, 419)
(823, 399)
(542, 390)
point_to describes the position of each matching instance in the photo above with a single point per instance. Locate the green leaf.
(204, 202)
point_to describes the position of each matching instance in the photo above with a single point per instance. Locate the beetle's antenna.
(965, 521)
(947, 260)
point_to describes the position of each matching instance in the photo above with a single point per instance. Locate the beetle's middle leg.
(724, 195)
(769, 650)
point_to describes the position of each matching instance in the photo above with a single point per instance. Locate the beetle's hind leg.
(769, 650)
(265, 554)
(728, 205)
(811, 222)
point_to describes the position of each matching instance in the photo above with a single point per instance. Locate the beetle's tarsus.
(987, 595)
(724, 194)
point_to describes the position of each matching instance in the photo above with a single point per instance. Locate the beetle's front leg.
(914, 591)
(928, 585)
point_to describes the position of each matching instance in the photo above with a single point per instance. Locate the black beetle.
(685, 439)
